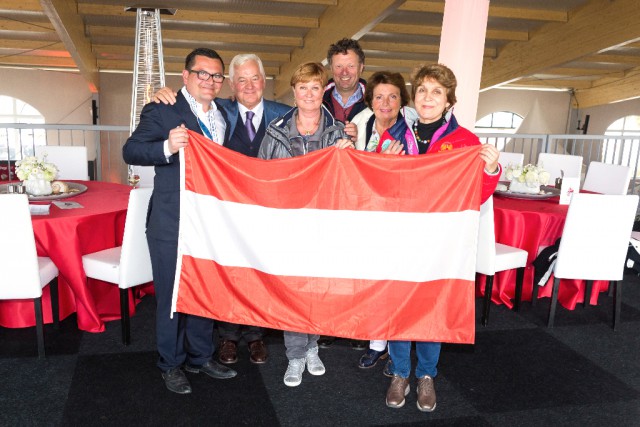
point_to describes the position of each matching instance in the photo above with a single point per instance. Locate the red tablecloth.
(65, 235)
(529, 224)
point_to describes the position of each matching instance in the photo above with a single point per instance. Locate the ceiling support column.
(464, 28)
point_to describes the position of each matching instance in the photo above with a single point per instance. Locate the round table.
(65, 235)
(530, 224)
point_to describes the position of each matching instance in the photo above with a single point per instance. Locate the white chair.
(147, 175)
(557, 164)
(493, 258)
(24, 273)
(128, 265)
(506, 159)
(71, 161)
(606, 178)
(594, 244)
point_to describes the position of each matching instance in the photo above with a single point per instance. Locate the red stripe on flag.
(441, 310)
(337, 179)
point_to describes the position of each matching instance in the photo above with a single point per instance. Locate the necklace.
(306, 131)
(415, 133)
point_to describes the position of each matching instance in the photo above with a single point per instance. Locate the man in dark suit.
(248, 115)
(184, 340)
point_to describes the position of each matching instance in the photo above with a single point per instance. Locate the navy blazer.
(145, 147)
(272, 110)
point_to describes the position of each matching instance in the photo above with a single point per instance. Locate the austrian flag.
(337, 242)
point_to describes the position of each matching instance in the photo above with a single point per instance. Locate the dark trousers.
(183, 338)
(234, 332)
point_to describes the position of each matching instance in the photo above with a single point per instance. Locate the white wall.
(603, 116)
(64, 98)
(543, 112)
(61, 97)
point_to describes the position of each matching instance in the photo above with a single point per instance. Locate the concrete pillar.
(464, 28)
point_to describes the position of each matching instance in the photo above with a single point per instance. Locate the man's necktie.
(249, 125)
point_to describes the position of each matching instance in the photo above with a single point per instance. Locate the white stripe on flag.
(330, 243)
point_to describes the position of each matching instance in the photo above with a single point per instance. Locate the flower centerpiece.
(36, 175)
(526, 179)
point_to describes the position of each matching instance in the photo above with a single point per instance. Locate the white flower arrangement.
(32, 168)
(526, 179)
(530, 174)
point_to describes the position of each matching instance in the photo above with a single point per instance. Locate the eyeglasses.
(203, 75)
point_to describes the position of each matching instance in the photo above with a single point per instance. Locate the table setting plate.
(549, 192)
(74, 187)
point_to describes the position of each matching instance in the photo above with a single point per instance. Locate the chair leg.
(587, 292)
(610, 293)
(488, 288)
(534, 295)
(519, 281)
(124, 316)
(55, 303)
(37, 304)
(617, 302)
(554, 302)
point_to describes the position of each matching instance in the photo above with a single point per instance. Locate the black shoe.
(388, 369)
(176, 381)
(371, 357)
(213, 369)
(358, 345)
(325, 341)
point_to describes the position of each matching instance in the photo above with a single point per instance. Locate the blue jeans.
(428, 354)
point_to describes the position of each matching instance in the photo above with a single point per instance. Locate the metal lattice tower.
(148, 66)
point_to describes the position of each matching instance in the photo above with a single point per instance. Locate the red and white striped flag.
(337, 242)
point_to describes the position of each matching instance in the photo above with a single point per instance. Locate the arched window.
(17, 143)
(623, 151)
(503, 122)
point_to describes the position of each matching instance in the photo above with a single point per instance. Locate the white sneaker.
(293, 376)
(314, 364)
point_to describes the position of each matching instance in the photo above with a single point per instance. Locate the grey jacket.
(277, 144)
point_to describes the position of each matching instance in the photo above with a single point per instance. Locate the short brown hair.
(310, 71)
(438, 72)
(386, 77)
(343, 46)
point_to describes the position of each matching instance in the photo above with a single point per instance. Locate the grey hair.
(242, 59)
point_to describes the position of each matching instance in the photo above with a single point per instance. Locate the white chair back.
(507, 159)
(71, 161)
(595, 237)
(606, 178)
(147, 175)
(486, 254)
(18, 257)
(135, 262)
(555, 163)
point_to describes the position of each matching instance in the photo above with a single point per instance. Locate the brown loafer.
(426, 394)
(228, 352)
(397, 391)
(258, 352)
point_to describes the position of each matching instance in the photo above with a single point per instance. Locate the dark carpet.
(580, 373)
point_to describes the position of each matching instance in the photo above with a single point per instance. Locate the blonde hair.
(310, 71)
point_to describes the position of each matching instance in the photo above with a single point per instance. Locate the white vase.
(38, 186)
(524, 187)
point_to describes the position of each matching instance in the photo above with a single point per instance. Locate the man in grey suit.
(183, 341)
(248, 116)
